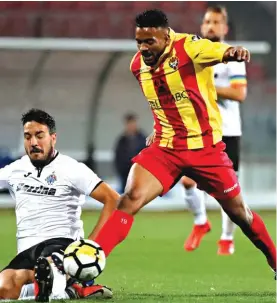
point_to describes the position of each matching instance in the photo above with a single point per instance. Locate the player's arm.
(208, 53)
(151, 138)
(237, 89)
(106, 195)
(238, 93)
(88, 183)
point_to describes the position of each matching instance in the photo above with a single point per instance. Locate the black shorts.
(27, 258)
(233, 150)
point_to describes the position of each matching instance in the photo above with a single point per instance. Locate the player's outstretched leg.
(226, 244)
(252, 226)
(196, 202)
(142, 187)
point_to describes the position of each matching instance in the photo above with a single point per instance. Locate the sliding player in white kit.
(231, 87)
(48, 189)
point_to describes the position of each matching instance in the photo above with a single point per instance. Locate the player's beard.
(155, 60)
(43, 162)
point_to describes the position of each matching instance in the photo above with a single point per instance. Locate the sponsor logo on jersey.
(41, 190)
(166, 97)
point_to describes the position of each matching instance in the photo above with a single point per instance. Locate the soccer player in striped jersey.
(175, 75)
(231, 89)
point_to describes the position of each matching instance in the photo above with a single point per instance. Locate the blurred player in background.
(174, 73)
(129, 144)
(231, 89)
(48, 189)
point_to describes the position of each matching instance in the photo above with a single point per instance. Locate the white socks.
(27, 292)
(196, 202)
(228, 227)
(59, 284)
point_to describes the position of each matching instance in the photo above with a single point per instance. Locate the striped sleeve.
(131, 63)
(237, 74)
(135, 63)
(204, 51)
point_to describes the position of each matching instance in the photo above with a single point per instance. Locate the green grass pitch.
(151, 265)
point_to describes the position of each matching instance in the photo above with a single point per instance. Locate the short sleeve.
(84, 179)
(204, 51)
(135, 64)
(237, 73)
(5, 173)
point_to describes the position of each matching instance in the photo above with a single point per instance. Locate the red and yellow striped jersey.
(181, 92)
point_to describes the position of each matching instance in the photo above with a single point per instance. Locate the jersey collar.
(168, 49)
(56, 153)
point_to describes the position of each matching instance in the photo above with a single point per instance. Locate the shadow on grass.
(130, 297)
(180, 297)
(206, 295)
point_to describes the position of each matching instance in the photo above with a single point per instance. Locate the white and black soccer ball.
(84, 260)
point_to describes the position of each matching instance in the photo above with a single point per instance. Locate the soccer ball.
(84, 260)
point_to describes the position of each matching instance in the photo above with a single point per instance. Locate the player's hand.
(150, 139)
(237, 53)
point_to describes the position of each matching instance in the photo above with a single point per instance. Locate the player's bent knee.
(11, 282)
(8, 292)
(187, 182)
(8, 288)
(238, 212)
(134, 195)
(235, 212)
(131, 201)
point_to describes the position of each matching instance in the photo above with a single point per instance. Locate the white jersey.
(233, 73)
(48, 202)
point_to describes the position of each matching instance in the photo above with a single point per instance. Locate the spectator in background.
(5, 159)
(129, 144)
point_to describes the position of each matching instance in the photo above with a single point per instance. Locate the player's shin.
(228, 227)
(114, 231)
(252, 226)
(196, 202)
(260, 237)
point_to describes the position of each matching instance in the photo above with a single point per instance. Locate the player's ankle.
(227, 238)
(200, 219)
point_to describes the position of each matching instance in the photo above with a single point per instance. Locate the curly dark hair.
(41, 117)
(152, 18)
